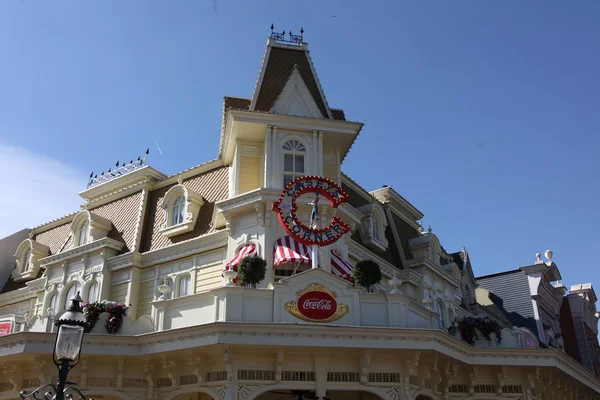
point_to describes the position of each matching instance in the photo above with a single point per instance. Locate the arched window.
(293, 160)
(83, 233)
(439, 308)
(26, 260)
(51, 303)
(178, 210)
(183, 288)
(76, 287)
(375, 228)
(93, 292)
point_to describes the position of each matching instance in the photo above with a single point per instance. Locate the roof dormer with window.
(27, 258)
(181, 206)
(373, 225)
(88, 227)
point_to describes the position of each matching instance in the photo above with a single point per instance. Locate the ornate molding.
(105, 243)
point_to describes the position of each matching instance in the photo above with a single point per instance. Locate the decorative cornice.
(230, 333)
(248, 198)
(200, 244)
(119, 193)
(53, 224)
(85, 249)
(16, 296)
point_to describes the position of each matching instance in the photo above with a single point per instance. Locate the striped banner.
(341, 267)
(288, 250)
(247, 250)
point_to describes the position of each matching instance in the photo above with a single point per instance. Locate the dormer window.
(88, 227)
(181, 207)
(293, 160)
(178, 210)
(27, 257)
(84, 233)
(375, 227)
(372, 227)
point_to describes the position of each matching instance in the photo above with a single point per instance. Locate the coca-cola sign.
(316, 303)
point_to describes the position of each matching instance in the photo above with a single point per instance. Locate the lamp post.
(67, 350)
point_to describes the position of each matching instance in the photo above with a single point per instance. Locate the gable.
(280, 63)
(295, 99)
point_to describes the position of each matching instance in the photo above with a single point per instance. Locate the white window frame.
(439, 308)
(84, 233)
(294, 152)
(179, 279)
(192, 202)
(88, 291)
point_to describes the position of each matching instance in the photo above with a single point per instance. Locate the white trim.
(295, 91)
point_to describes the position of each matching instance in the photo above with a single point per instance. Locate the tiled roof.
(236, 103)
(54, 238)
(405, 233)
(279, 67)
(123, 213)
(338, 114)
(212, 185)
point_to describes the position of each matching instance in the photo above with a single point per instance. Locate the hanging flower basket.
(113, 322)
(115, 319)
(92, 312)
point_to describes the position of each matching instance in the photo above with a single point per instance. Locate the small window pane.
(178, 210)
(299, 164)
(93, 292)
(288, 163)
(375, 229)
(83, 233)
(26, 257)
(287, 179)
(52, 303)
(184, 285)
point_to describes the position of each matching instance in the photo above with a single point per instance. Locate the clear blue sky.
(486, 114)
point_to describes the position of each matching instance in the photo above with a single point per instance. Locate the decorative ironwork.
(126, 167)
(280, 36)
(50, 392)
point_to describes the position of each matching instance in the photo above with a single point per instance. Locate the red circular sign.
(317, 305)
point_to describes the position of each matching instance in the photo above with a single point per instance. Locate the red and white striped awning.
(341, 267)
(288, 250)
(248, 250)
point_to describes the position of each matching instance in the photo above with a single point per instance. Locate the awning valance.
(287, 250)
(248, 250)
(340, 267)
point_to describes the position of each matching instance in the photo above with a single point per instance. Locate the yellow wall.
(118, 293)
(145, 297)
(209, 277)
(249, 173)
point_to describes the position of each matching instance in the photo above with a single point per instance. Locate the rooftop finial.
(121, 169)
(280, 36)
(538, 258)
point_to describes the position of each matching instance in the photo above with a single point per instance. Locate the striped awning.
(248, 250)
(287, 250)
(341, 267)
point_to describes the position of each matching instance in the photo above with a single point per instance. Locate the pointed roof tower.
(286, 65)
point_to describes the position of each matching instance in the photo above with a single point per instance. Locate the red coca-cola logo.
(317, 305)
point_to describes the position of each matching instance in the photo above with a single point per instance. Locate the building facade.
(167, 246)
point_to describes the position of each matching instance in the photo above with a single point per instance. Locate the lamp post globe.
(67, 350)
(69, 336)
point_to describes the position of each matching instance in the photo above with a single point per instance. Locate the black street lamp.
(67, 349)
